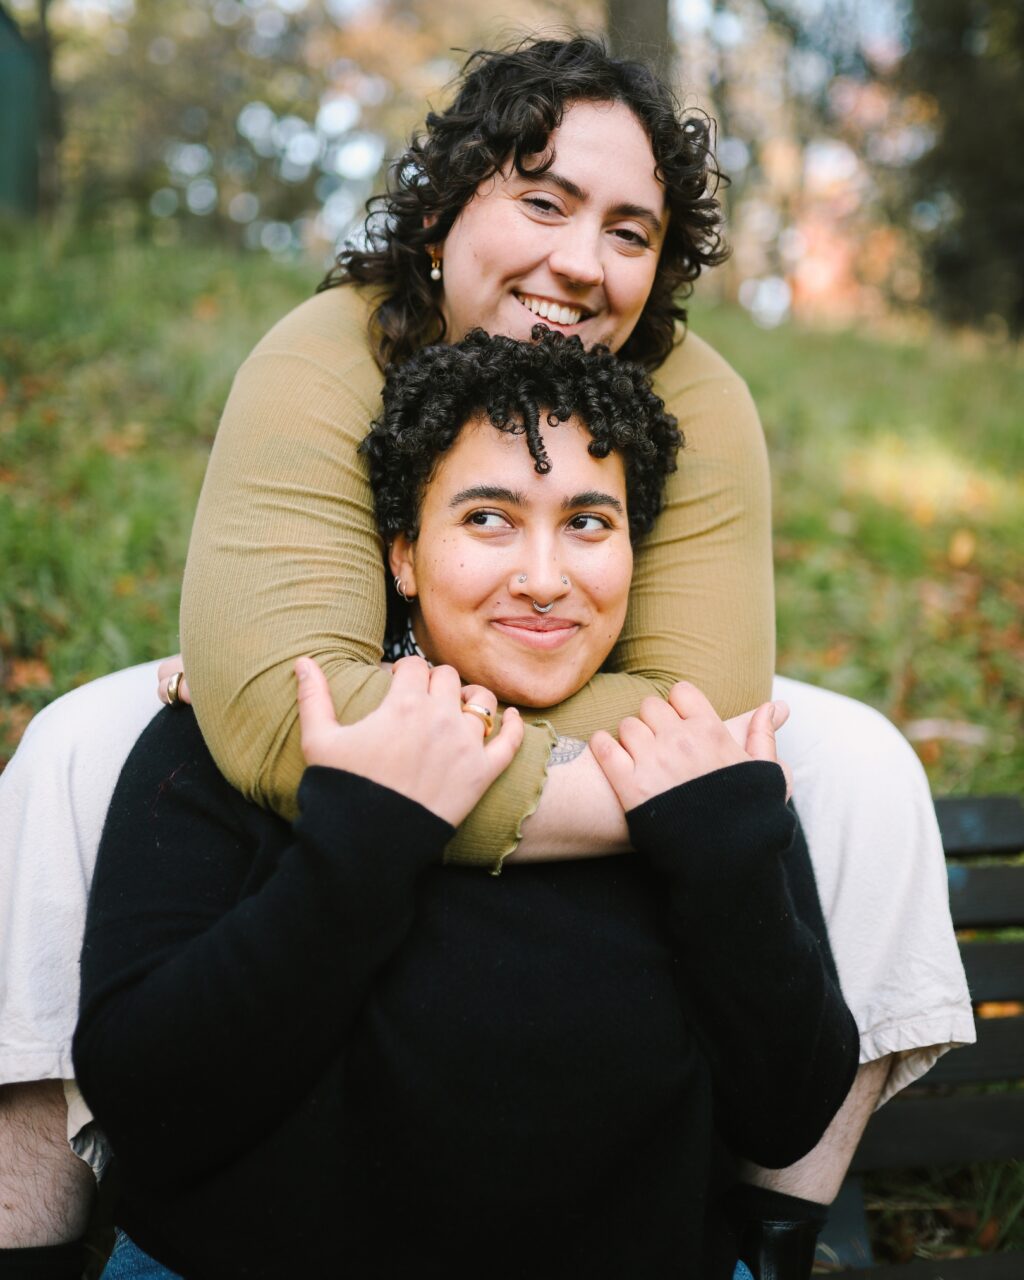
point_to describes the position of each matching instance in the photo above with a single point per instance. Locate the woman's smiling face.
(575, 247)
(494, 537)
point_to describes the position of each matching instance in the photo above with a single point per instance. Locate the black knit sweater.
(316, 1051)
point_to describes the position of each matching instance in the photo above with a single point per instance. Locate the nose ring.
(543, 608)
(522, 578)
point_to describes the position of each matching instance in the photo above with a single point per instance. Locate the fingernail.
(771, 714)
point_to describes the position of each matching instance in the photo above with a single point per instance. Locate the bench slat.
(993, 1266)
(956, 1130)
(998, 1055)
(973, 826)
(959, 1128)
(986, 897)
(995, 971)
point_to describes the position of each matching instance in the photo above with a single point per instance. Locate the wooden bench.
(947, 1119)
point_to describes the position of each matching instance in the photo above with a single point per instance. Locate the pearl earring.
(435, 265)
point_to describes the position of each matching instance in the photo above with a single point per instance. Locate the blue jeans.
(128, 1262)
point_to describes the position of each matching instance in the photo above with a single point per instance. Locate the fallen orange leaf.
(28, 673)
(962, 547)
(206, 307)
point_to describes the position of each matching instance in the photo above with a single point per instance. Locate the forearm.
(578, 815)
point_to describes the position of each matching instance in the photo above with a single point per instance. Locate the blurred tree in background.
(640, 29)
(29, 116)
(965, 59)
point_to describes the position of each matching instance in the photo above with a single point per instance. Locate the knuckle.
(409, 663)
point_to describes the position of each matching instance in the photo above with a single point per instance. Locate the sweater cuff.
(335, 806)
(736, 814)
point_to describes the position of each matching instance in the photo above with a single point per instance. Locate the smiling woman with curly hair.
(503, 116)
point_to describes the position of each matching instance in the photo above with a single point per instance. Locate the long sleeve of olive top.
(285, 560)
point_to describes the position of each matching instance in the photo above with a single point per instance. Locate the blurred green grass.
(898, 478)
(898, 492)
(114, 365)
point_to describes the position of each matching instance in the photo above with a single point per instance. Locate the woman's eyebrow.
(488, 493)
(624, 210)
(592, 498)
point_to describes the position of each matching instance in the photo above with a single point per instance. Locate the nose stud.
(543, 608)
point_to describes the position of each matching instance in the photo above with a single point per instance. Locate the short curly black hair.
(430, 398)
(508, 103)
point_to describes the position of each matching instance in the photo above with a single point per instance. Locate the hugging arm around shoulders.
(285, 560)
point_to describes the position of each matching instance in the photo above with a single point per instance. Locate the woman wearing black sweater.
(317, 1051)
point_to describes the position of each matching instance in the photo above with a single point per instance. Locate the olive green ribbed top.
(285, 560)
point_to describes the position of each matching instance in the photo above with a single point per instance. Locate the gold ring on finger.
(173, 696)
(485, 716)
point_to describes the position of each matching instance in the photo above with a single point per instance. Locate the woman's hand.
(164, 673)
(419, 741)
(673, 742)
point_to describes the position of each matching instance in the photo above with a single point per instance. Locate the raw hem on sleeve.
(494, 828)
(553, 736)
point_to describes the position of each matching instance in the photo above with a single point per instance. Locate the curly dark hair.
(509, 101)
(430, 398)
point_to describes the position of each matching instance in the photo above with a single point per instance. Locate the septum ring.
(483, 714)
(543, 608)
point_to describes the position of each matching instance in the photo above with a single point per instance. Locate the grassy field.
(898, 492)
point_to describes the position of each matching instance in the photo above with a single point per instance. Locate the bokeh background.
(174, 176)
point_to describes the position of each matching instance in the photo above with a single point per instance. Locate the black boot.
(778, 1233)
(48, 1262)
(780, 1250)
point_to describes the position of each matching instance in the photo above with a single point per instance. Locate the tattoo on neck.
(566, 750)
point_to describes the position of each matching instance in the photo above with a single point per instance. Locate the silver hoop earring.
(400, 588)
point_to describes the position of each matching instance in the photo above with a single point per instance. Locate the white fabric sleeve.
(54, 795)
(866, 808)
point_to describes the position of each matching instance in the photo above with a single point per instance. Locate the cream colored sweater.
(285, 560)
